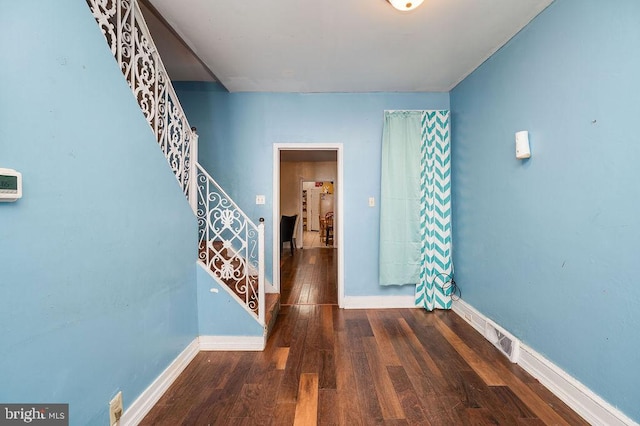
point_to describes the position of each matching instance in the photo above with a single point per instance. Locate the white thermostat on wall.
(10, 185)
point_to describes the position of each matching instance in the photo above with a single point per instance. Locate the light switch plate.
(260, 199)
(372, 202)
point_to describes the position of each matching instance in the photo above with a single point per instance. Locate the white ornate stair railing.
(230, 244)
(127, 34)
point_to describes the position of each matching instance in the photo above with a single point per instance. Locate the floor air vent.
(505, 342)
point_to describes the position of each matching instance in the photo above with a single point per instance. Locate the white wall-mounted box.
(10, 185)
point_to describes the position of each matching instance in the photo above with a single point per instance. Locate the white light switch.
(260, 199)
(372, 202)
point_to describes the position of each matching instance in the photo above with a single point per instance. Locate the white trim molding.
(580, 398)
(378, 302)
(470, 315)
(339, 203)
(151, 395)
(232, 343)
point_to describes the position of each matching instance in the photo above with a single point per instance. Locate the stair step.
(214, 247)
(272, 307)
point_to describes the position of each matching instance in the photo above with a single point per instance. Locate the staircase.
(230, 245)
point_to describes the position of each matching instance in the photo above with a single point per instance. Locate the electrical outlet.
(115, 409)
(260, 199)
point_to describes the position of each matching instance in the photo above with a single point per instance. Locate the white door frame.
(339, 191)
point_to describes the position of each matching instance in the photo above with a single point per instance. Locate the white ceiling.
(342, 45)
(180, 62)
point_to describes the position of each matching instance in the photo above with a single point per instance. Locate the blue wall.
(219, 314)
(548, 247)
(237, 132)
(97, 271)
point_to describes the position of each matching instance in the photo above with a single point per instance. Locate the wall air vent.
(505, 342)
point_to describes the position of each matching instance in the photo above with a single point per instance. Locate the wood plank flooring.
(327, 366)
(309, 277)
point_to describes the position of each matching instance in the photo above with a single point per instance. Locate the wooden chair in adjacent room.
(328, 224)
(287, 231)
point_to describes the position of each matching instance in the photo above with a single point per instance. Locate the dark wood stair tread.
(272, 307)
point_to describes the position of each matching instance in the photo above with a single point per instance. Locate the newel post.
(261, 289)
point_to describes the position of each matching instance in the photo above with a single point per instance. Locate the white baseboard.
(580, 398)
(150, 396)
(470, 315)
(232, 343)
(378, 302)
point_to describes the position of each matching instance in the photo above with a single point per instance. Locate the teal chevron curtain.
(415, 205)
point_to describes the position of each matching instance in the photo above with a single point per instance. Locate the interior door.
(313, 209)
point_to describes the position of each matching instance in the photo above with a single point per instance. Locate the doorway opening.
(308, 181)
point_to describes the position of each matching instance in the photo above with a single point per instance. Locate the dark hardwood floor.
(309, 277)
(323, 365)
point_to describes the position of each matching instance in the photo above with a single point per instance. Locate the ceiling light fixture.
(405, 5)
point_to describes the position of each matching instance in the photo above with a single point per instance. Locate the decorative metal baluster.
(126, 32)
(230, 244)
(105, 13)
